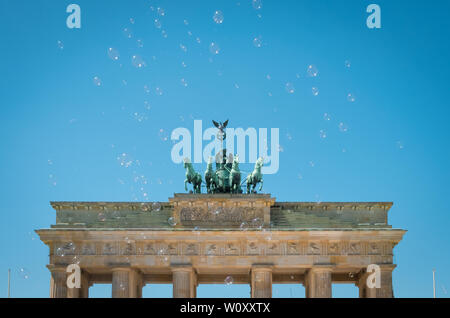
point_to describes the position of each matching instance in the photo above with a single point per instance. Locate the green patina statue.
(255, 177)
(212, 182)
(227, 177)
(192, 177)
(223, 168)
(235, 176)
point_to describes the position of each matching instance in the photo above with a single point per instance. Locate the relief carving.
(252, 248)
(149, 249)
(231, 249)
(333, 248)
(191, 249)
(314, 248)
(88, 249)
(293, 248)
(354, 248)
(273, 249)
(211, 249)
(172, 249)
(374, 249)
(128, 249)
(108, 249)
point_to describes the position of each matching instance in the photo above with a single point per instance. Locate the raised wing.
(225, 123)
(216, 123)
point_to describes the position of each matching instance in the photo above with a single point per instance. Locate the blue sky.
(62, 133)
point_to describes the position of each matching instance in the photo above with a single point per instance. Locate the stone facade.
(252, 238)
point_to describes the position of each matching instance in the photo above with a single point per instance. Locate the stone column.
(384, 290)
(318, 282)
(261, 282)
(58, 281)
(184, 282)
(126, 283)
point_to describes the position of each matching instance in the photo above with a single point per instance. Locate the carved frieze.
(232, 249)
(314, 248)
(293, 248)
(333, 248)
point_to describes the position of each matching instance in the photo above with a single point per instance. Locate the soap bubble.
(326, 117)
(163, 135)
(76, 260)
(342, 127)
(157, 23)
(124, 160)
(23, 272)
(128, 33)
(164, 33)
(156, 206)
(257, 223)
(218, 17)
(257, 4)
(315, 91)
(289, 88)
(400, 145)
(244, 226)
(312, 71)
(257, 41)
(60, 252)
(172, 221)
(158, 91)
(183, 82)
(322, 134)
(97, 81)
(140, 43)
(113, 54)
(350, 97)
(347, 64)
(214, 48)
(138, 61)
(183, 47)
(229, 280)
(60, 45)
(161, 11)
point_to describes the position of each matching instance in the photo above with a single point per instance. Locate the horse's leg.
(261, 186)
(185, 184)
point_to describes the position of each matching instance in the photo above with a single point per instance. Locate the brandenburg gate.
(210, 238)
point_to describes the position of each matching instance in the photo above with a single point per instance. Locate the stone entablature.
(131, 244)
(199, 210)
(222, 210)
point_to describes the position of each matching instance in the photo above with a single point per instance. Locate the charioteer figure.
(227, 177)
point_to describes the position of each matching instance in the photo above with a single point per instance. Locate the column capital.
(322, 268)
(387, 267)
(56, 268)
(182, 268)
(122, 269)
(261, 268)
